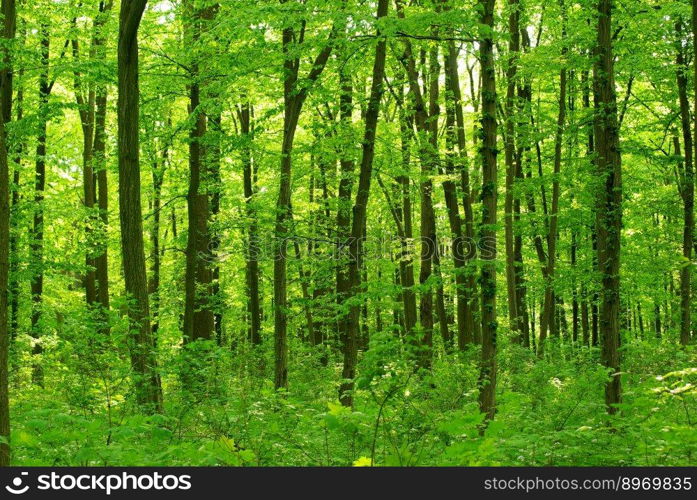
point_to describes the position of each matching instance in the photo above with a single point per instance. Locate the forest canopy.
(313, 232)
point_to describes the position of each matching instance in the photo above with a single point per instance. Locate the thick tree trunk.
(343, 209)
(8, 32)
(143, 359)
(609, 200)
(487, 376)
(198, 315)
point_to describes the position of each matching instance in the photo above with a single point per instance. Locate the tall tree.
(609, 200)
(294, 96)
(509, 150)
(488, 153)
(198, 314)
(101, 260)
(552, 236)
(146, 377)
(244, 116)
(9, 14)
(360, 208)
(37, 233)
(687, 191)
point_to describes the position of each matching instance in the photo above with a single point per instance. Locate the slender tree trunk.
(549, 303)
(158, 174)
(509, 148)
(14, 289)
(609, 200)
(252, 264)
(360, 207)
(293, 101)
(464, 327)
(585, 326)
(406, 261)
(687, 192)
(487, 376)
(37, 234)
(85, 99)
(214, 158)
(428, 156)
(101, 260)
(469, 332)
(9, 24)
(574, 292)
(143, 358)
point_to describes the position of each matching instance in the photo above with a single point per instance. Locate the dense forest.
(349, 232)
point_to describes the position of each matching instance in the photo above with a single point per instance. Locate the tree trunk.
(547, 321)
(468, 329)
(687, 193)
(9, 23)
(294, 99)
(143, 359)
(198, 316)
(487, 376)
(509, 148)
(609, 200)
(214, 159)
(14, 289)
(360, 207)
(252, 262)
(101, 260)
(37, 234)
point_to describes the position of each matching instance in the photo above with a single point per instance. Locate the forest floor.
(550, 411)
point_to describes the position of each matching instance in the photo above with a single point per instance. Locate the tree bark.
(360, 207)
(687, 193)
(294, 99)
(487, 376)
(143, 359)
(469, 331)
(37, 233)
(252, 264)
(8, 33)
(509, 149)
(198, 316)
(609, 200)
(549, 303)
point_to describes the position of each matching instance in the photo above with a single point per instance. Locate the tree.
(487, 232)
(609, 200)
(9, 14)
(147, 381)
(293, 99)
(360, 206)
